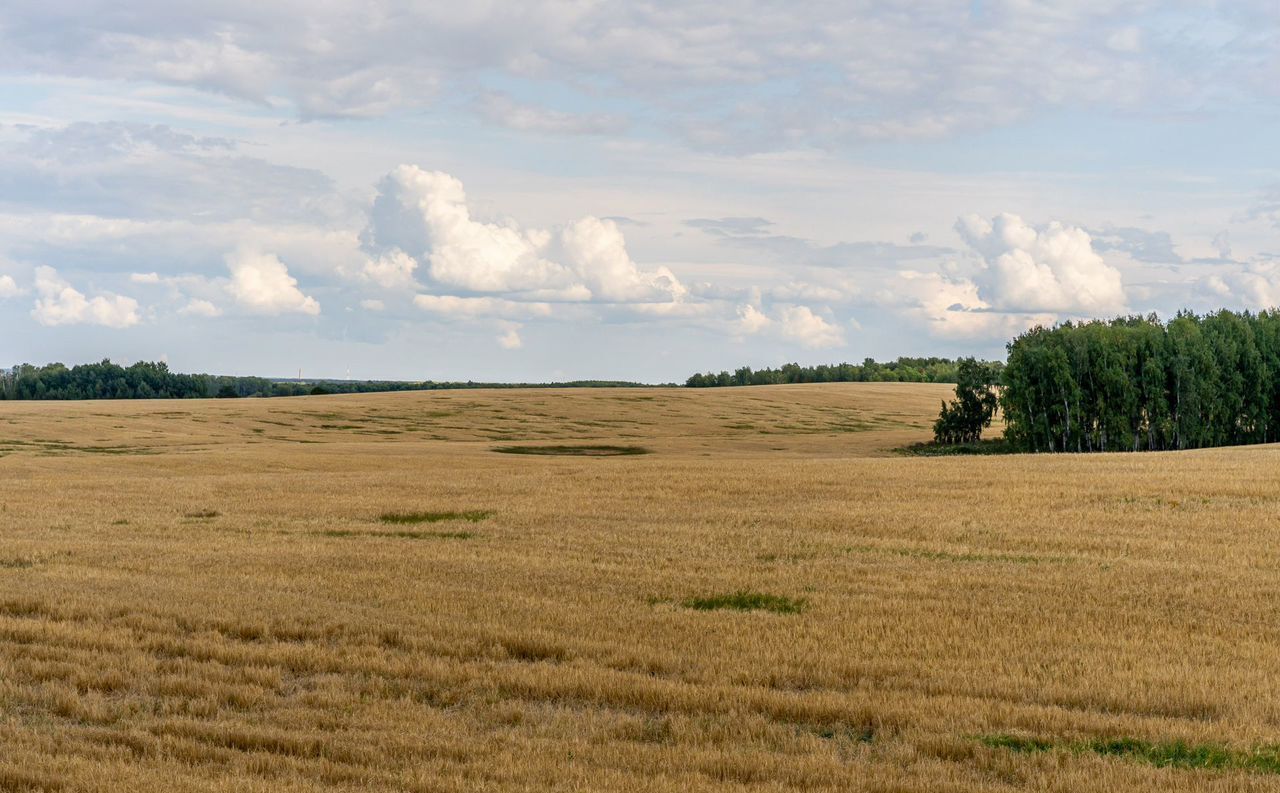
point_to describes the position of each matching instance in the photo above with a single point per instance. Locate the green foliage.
(1135, 384)
(905, 370)
(103, 380)
(402, 535)
(143, 380)
(597, 450)
(747, 601)
(1167, 754)
(963, 421)
(474, 516)
(982, 447)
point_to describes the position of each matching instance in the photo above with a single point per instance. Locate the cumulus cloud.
(751, 320)
(801, 325)
(510, 339)
(58, 303)
(596, 252)
(1052, 269)
(424, 215)
(372, 304)
(261, 283)
(1255, 286)
(393, 270)
(950, 307)
(196, 307)
(8, 287)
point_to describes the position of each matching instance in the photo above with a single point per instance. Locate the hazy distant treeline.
(905, 370)
(1136, 383)
(146, 380)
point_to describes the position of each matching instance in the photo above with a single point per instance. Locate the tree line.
(905, 370)
(154, 380)
(1131, 384)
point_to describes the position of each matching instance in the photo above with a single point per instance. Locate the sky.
(568, 189)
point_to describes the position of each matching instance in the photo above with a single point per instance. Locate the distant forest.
(1136, 383)
(903, 370)
(146, 380)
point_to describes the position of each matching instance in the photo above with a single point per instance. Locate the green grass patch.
(1164, 754)
(54, 448)
(410, 518)
(598, 450)
(111, 449)
(948, 556)
(402, 535)
(204, 514)
(745, 600)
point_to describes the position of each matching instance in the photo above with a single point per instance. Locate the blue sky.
(552, 190)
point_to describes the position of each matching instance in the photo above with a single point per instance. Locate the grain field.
(719, 590)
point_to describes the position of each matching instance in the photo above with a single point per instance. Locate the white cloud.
(477, 307)
(1255, 286)
(597, 253)
(261, 283)
(871, 70)
(58, 303)
(372, 305)
(951, 308)
(196, 307)
(460, 252)
(145, 278)
(801, 325)
(752, 320)
(794, 323)
(1052, 269)
(8, 287)
(425, 214)
(510, 339)
(132, 171)
(393, 270)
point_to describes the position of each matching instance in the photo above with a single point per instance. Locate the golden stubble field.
(202, 596)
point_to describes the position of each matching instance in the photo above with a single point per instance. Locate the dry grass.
(213, 608)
